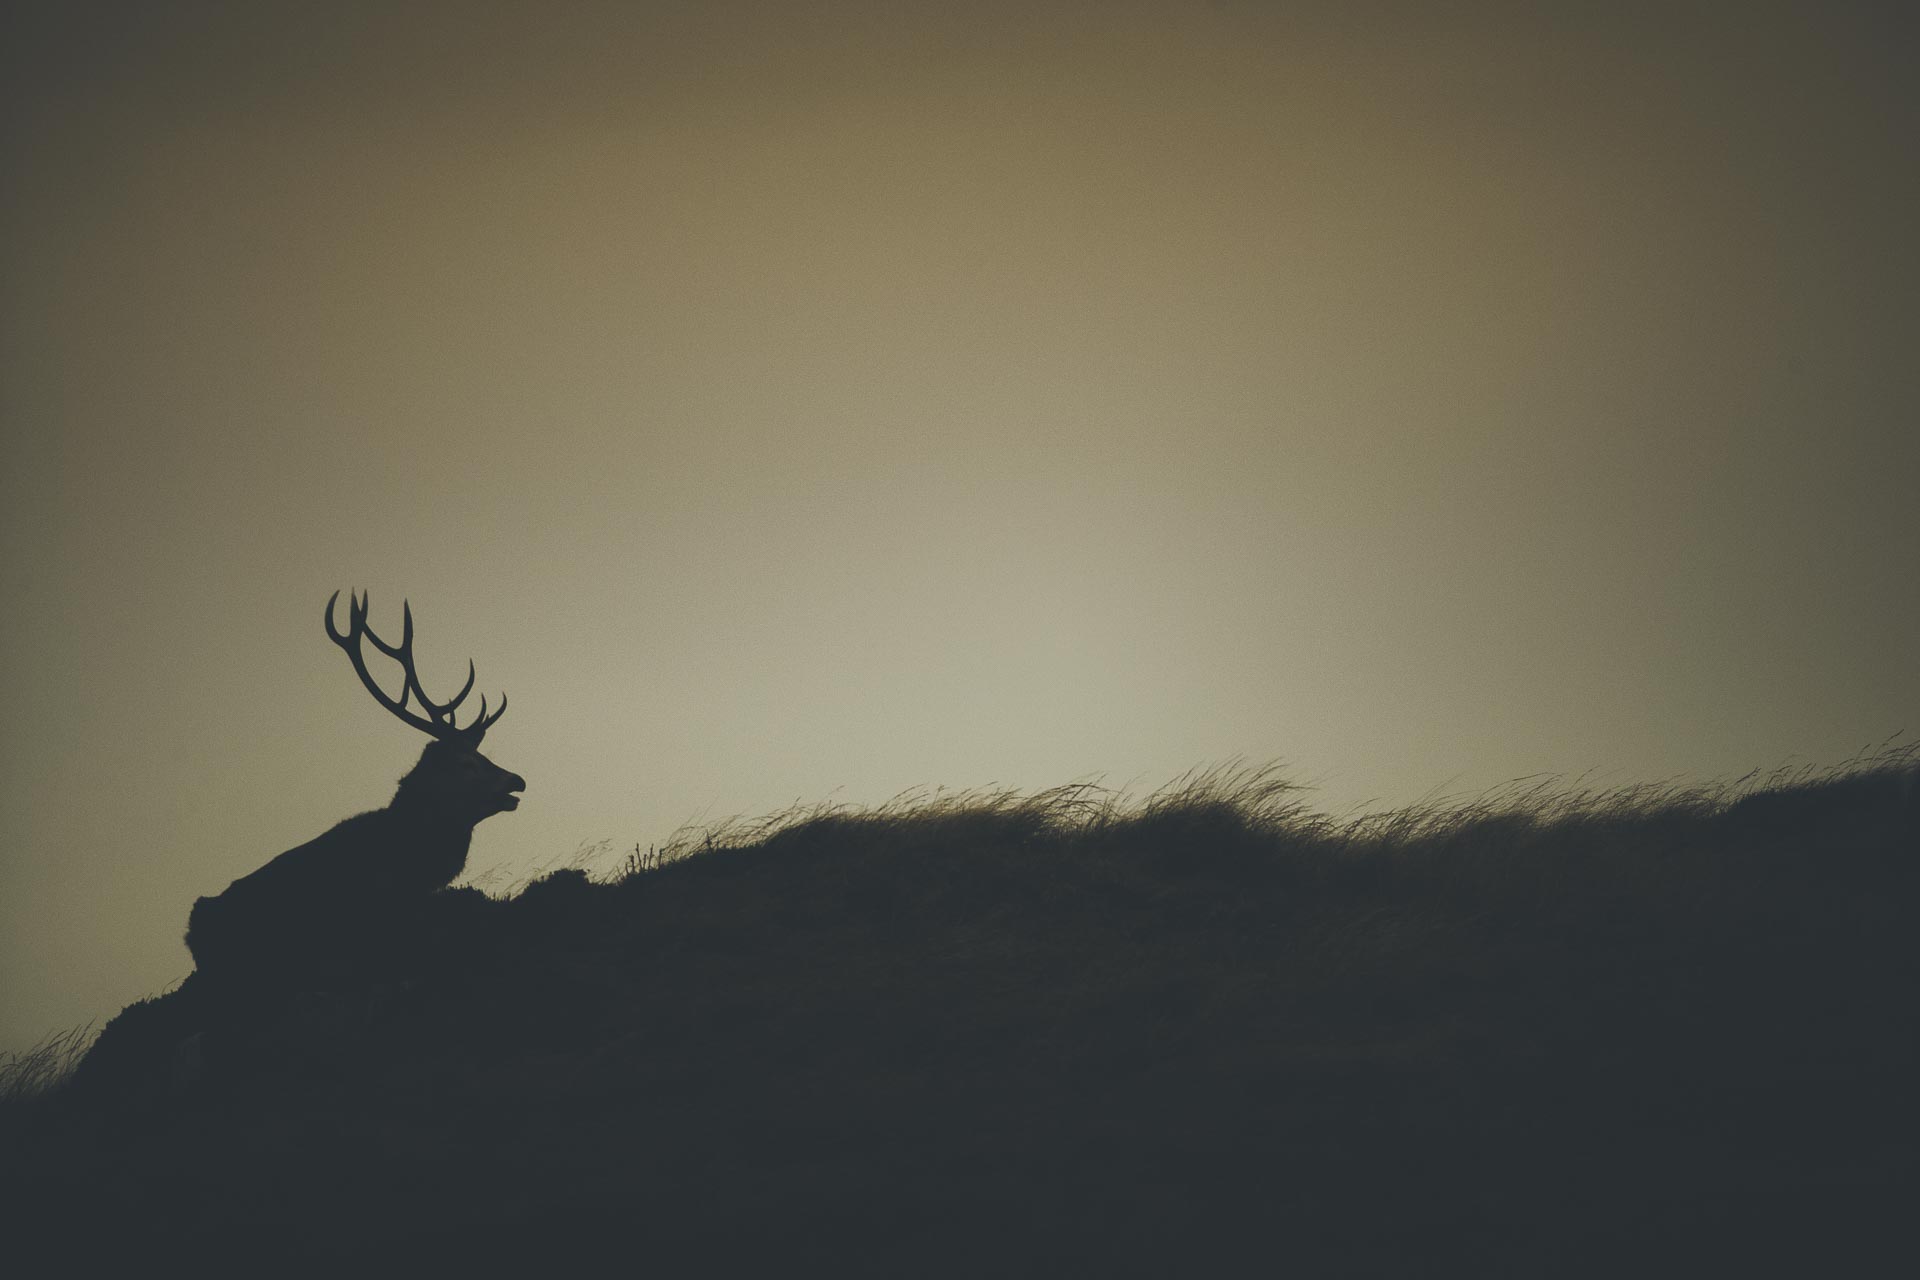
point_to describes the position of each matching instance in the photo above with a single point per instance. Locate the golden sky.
(813, 401)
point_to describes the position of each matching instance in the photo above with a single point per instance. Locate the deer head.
(452, 779)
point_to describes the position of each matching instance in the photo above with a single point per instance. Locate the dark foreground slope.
(1651, 1034)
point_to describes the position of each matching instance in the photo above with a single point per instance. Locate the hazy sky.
(812, 401)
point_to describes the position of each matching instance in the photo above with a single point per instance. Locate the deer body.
(347, 904)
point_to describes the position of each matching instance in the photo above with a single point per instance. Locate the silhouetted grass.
(1546, 1031)
(28, 1080)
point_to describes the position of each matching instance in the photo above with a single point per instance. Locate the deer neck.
(439, 841)
(430, 822)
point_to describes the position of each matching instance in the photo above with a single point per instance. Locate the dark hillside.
(1648, 1033)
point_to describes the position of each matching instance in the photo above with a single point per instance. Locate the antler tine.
(446, 708)
(403, 653)
(356, 618)
(405, 647)
(439, 719)
(357, 607)
(443, 712)
(438, 710)
(484, 721)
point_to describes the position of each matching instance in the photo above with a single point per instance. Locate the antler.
(439, 717)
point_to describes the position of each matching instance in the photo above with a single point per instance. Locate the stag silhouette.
(343, 907)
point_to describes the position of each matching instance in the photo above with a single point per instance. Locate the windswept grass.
(1549, 1030)
(28, 1077)
(1262, 804)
